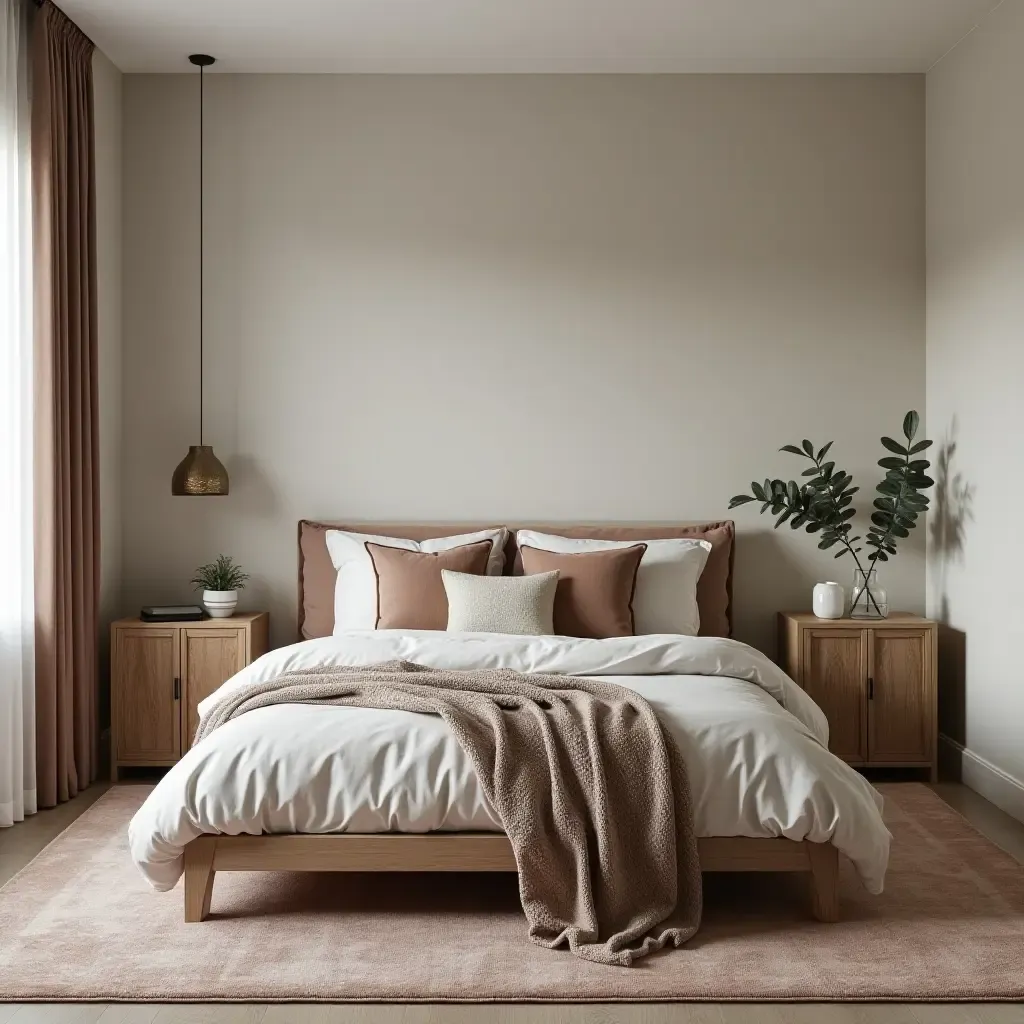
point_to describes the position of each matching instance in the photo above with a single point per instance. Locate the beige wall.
(107, 81)
(514, 298)
(975, 374)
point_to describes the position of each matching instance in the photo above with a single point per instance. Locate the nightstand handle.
(177, 689)
(871, 687)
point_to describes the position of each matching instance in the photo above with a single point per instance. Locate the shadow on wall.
(951, 512)
(952, 672)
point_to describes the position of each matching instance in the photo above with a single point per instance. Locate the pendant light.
(200, 472)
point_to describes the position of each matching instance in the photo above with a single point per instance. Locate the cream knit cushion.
(523, 605)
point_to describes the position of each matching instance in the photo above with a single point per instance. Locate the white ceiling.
(529, 35)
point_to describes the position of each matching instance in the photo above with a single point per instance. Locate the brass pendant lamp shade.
(200, 473)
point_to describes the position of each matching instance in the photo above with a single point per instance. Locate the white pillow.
(665, 600)
(520, 605)
(355, 590)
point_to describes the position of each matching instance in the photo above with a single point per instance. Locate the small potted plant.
(220, 582)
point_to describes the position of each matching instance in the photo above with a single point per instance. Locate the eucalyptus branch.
(824, 504)
(844, 531)
(886, 538)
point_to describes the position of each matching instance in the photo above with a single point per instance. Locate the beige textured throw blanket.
(591, 792)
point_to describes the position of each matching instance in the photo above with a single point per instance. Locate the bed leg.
(199, 875)
(824, 860)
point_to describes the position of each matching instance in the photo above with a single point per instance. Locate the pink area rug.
(80, 923)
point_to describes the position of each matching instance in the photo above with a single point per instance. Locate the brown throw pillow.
(595, 589)
(410, 591)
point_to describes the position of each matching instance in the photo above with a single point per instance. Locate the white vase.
(220, 603)
(828, 600)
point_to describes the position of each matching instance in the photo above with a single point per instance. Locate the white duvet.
(755, 747)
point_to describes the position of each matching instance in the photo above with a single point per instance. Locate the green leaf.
(920, 447)
(794, 492)
(841, 553)
(881, 519)
(758, 491)
(882, 557)
(910, 424)
(739, 499)
(765, 507)
(785, 515)
(849, 514)
(824, 451)
(813, 527)
(891, 462)
(792, 448)
(920, 480)
(918, 465)
(808, 448)
(888, 487)
(826, 469)
(893, 446)
(813, 471)
(885, 504)
(797, 521)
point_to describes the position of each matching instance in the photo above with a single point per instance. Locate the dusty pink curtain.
(66, 427)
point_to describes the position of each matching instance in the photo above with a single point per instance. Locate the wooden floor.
(20, 844)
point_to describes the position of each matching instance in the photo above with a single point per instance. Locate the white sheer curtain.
(17, 620)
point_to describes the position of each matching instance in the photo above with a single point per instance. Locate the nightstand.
(875, 679)
(160, 671)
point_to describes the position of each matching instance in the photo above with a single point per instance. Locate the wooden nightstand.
(160, 671)
(875, 679)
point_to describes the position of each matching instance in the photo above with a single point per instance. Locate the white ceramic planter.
(828, 600)
(220, 604)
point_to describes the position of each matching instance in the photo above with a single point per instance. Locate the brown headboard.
(317, 575)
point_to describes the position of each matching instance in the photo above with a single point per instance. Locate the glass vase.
(868, 599)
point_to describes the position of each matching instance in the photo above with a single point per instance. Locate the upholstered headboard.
(317, 575)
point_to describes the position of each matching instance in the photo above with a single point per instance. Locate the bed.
(304, 788)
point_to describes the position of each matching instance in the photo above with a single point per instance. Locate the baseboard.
(995, 785)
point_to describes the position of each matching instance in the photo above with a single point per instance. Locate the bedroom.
(437, 271)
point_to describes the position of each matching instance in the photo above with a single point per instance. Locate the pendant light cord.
(202, 72)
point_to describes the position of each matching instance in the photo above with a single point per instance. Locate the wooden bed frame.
(470, 851)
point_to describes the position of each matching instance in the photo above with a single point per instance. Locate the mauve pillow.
(410, 591)
(595, 588)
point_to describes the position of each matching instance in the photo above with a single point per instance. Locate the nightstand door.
(209, 657)
(835, 663)
(900, 719)
(145, 713)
